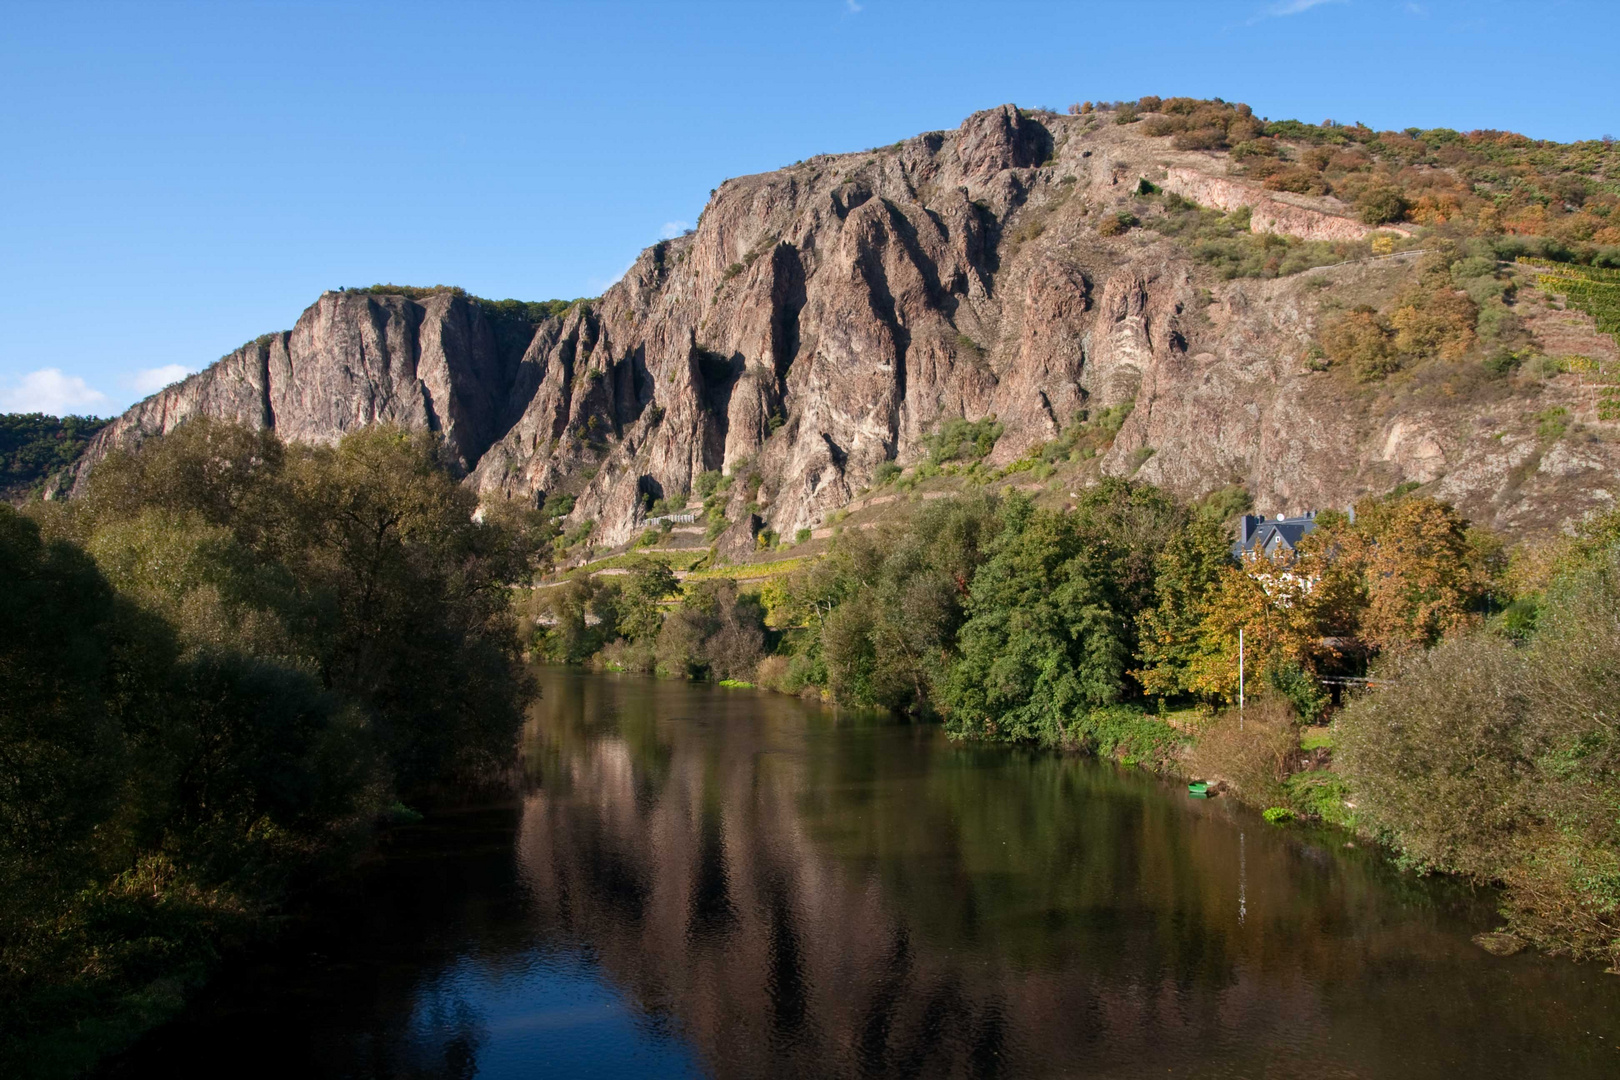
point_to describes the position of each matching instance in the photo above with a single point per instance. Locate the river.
(710, 882)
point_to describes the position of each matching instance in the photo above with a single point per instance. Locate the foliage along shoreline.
(220, 672)
(1112, 628)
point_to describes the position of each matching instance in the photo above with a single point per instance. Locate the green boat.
(1198, 790)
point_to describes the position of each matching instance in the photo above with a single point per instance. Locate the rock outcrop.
(1274, 211)
(827, 317)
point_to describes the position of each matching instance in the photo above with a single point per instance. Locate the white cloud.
(151, 380)
(672, 229)
(49, 391)
(854, 8)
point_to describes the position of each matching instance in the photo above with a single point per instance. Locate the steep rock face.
(351, 360)
(828, 317)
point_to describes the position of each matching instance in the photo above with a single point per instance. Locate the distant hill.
(34, 446)
(1312, 312)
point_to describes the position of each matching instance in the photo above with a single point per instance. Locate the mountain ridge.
(826, 318)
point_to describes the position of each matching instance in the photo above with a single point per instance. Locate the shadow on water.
(709, 882)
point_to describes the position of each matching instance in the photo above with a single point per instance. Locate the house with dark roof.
(1266, 538)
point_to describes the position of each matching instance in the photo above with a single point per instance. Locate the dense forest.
(1486, 746)
(219, 671)
(34, 446)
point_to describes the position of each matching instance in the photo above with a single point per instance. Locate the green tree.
(716, 632)
(77, 666)
(649, 584)
(1188, 574)
(34, 446)
(1044, 641)
(886, 605)
(1423, 573)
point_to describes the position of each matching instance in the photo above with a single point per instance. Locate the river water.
(729, 883)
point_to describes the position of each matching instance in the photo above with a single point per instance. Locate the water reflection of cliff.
(806, 895)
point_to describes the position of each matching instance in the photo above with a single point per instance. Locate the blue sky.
(179, 178)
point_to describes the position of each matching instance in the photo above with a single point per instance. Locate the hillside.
(34, 447)
(1172, 290)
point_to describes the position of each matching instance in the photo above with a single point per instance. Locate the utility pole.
(1240, 678)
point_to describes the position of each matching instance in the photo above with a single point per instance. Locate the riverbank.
(1089, 627)
(729, 883)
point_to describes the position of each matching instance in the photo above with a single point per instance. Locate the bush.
(1300, 689)
(1362, 342)
(1117, 224)
(1552, 423)
(1301, 181)
(558, 504)
(1382, 204)
(772, 674)
(1209, 138)
(716, 632)
(1436, 761)
(884, 473)
(1128, 733)
(1251, 750)
(1320, 794)
(708, 483)
(1277, 815)
(635, 656)
(963, 440)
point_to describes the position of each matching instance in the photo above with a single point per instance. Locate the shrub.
(1434, 321)
(1301, 181)
(963, 440)
(1277, 815)
(716, 632)
(1255, 148)
(1320, 794)
(1251, 750)
(772, 674)
(1118, 224)
(802, 536)
(625, 655)
(1552, 423)
(885, 472)
(1435, 761)
(1362, 342)
(1127, 733)
(1209, 138)
(1300, 689)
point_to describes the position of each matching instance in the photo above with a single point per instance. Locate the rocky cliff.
(827, 317)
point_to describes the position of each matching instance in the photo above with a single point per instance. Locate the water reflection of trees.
(815, 896)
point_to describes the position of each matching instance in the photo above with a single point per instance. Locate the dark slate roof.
(1265, 536)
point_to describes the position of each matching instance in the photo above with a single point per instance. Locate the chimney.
(1251, 522)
